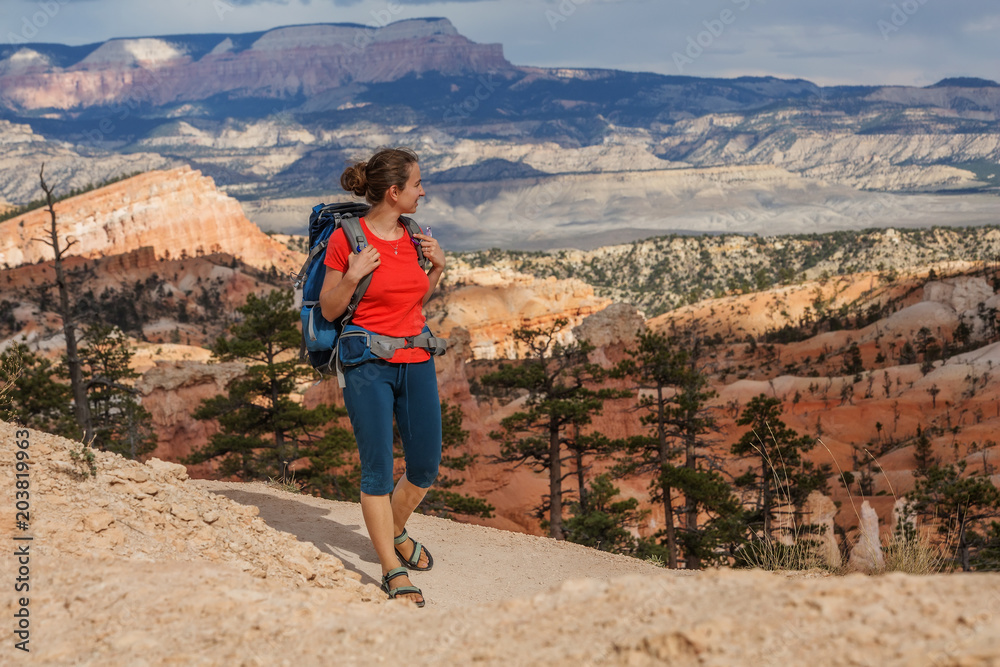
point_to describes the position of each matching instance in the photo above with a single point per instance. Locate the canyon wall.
(175, 212)
(490, 304)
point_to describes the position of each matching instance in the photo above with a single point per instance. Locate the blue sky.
(908, 42)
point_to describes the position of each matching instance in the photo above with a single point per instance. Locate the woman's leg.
(405, 498)
(418, 414)
(377, 511)
(368, 397)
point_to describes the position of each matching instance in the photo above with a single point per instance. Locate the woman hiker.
(405, 385)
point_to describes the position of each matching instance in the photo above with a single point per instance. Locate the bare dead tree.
(81, 407)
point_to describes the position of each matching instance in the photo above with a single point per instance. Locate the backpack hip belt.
(357, 345)
(385, 347)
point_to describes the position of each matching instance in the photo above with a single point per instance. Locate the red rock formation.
(880, 413)
(489, 306)
(171, 392)
(176, 213)
(113, 267)
(283, 62)
(204, 288)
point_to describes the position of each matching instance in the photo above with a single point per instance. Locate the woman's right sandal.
(413, 562)
(400, 590)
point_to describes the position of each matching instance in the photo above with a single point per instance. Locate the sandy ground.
(140, 566)
(472, 564)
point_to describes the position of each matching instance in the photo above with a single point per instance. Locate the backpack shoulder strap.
(411, 229)
(354, 233)
(356, 238)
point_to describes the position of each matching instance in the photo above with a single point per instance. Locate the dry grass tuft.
(911, 554)
(800, 552)
(286, 483)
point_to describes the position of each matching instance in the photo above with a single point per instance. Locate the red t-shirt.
(393, 303)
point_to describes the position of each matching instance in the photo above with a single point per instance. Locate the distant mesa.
(281, 63)
(965, 82)
(24, 61)
(132, 53)
(492, 169)
(349, 35)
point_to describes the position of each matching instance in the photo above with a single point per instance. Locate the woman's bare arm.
(338, 288)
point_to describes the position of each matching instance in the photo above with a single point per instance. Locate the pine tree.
(656, 364)
(957, 503)
(33, 397)
(603, 524)
(559, 400)
(262, 430)
(65, 310)
(907, 354)
(722, 523)
(784, 478)
(678, 416)
(853, 364)
(440, 501)
(923, 454)
(120, 424)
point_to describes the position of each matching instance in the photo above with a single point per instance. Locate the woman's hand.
(361, 264)
(432, 251)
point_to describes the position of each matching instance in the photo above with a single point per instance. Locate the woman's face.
(411, 192)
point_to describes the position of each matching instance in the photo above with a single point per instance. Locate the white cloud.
(983, 24)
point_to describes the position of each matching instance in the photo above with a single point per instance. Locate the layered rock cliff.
(490, 304)
(24, 151)
(177, 213)
(822, 146)
(281, 63)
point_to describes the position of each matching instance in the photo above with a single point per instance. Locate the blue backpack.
(321, 339)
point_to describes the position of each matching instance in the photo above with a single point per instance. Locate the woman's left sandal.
(400, 590)
(413, 562)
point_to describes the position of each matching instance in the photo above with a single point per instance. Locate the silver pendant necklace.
(395, 248)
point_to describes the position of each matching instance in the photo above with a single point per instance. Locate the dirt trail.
(472, 564)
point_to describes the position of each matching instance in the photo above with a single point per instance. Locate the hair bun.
(354, 179)
(387, 168)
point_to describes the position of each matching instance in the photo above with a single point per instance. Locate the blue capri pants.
(376, 391)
